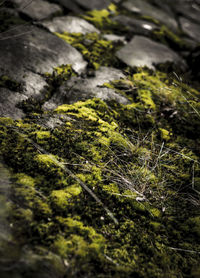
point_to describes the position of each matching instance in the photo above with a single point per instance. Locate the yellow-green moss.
(133, 158)
(102, 19)
(96, 50)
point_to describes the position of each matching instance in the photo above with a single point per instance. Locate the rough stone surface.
(142, 52)
(144, 8)
(35, 52)
(69, 24)
(8, 102)
(37, 9)
(187, 9)
(78, 88)
(116, 38)
(191, 29)
(136, 26)
(23, 58)
(94, 4)
(78, 5)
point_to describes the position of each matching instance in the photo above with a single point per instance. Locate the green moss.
(95, 50)
(133, 159)
(166, 36)
(165, 134)
(7, 82)
(102, 19)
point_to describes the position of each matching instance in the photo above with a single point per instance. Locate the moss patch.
(142, 176)
(96, 51)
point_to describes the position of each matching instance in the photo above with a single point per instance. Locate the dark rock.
(143, 8)
(191, 29)
(94, 4)
(78, 88)
(142, 52)
(69, 24)
(78, 5)
(37, 9)
(188, 9)
(194, 62)
(69, 5)
(136, 26)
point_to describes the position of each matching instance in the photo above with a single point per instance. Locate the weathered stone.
(94, 4)
(78, 88)
(144, 8)
(69, 5)
(8, 102)
(37, 9)
(25, 54)
(69, 24)
(187, 9)
(191, 29)
(30, 49)
(136, 26)
(142, 52)
(78, 5)
(116, 38)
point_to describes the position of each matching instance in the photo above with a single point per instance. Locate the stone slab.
(69, 24)
(78, 88)
(141, 52)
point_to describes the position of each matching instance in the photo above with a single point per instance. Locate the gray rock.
(191, 29)
(69, 24)
(37, 9)
(141, 52)
(115, 38)
(78, 88)
(187, 9)
(27, 53)
(78, 5)
(32, 49)
(8, 102)
(137, 26)
(144, 8)
(94, 4)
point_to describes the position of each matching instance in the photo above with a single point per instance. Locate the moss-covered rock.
(101, 161)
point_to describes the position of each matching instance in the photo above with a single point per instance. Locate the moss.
(7, 82)
(95, 50)
(165, 134)
(133, 159)
(102, 19)
(166, 36)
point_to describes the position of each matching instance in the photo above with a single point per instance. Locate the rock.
(37, 9)
(142, 52)
(27, 53)
(78, 88)
(191, 29)
(188, 10)
(30, 49)
(115, 38)
(136, 26)
(194, 62)
(144, 8)
(79, 5)
(94, 4)
(35, 50)
(69, 24)
(8, 102)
